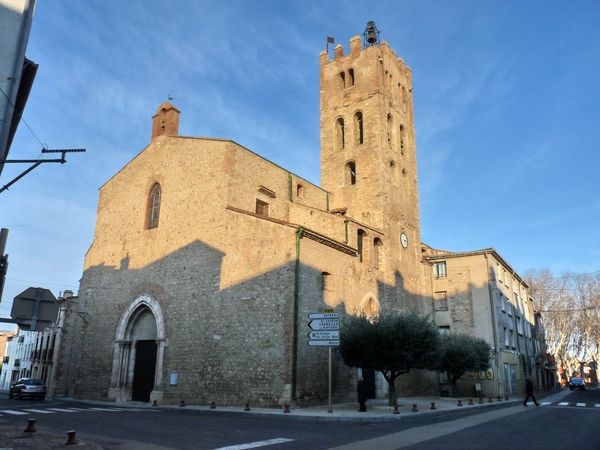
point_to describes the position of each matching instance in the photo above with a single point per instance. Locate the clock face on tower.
(404, 240)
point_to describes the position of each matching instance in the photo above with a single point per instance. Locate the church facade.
(208, 258)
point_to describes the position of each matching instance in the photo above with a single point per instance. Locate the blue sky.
(507, 112)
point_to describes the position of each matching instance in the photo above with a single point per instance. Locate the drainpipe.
(494, 325)
(299, 234)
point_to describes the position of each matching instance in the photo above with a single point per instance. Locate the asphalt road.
(501, 426)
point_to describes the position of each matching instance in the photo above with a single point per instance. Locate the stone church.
(207, 258)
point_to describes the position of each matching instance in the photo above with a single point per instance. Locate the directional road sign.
(324, 324)
(324, 335)
(331, 343)
(324, 315)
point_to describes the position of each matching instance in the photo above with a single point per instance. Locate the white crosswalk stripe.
(13, 412)
(69, 410)
(597, 405)
(580, 404)
(104, 409)
(545, 403)
(39, 411)
(563, 404)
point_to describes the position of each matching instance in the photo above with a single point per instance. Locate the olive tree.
(460, 353)
(392, 343)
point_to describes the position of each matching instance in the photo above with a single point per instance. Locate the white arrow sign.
(331, 343)
(324, 315)
(324, 324)
(324, 335)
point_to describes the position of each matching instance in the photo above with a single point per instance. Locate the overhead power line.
(24, 121)
(568, 310)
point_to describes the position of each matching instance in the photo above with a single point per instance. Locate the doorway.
(144, 370)
(139, 351)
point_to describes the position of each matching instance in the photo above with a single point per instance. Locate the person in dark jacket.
(529, 392)
(361, 395)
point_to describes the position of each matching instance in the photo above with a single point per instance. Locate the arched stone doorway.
(138, 352)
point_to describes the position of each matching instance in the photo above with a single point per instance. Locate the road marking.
(563, 404)
(61, 410)
(13, 412)
(597, 405)
(104, 409)
(545, 403)
(412, 436)
(256, 444)
(580, 404)
(41, 411)
(78, 409)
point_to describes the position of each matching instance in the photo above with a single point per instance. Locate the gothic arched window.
(350, 173)
(377, 244)
(154, 206)
(358, 128)
(360, 238)
(339, 133)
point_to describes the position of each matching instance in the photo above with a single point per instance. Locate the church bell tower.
(368, 154)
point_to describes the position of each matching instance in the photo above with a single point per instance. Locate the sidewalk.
(376, 409)
(14, 437)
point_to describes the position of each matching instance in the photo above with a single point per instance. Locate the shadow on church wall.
(229, 345)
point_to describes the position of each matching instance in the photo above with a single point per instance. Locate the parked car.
(577, 383)
(28, 387)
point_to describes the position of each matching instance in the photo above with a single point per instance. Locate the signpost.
(326, 333)
(34, 309)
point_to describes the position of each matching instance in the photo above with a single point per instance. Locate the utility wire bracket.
(36, 162)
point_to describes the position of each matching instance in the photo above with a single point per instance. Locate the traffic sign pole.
(326, 333)
(330, 409)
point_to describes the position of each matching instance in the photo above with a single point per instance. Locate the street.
(569, 421)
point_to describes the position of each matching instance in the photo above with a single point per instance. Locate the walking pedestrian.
(529, 392)
(361, 394)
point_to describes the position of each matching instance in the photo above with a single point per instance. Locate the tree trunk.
(391, 379)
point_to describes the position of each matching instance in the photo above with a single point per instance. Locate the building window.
(339, 133)
(299, 191)
(506, 338)
(444, 329)
(377, 245)
(358, 128)
(502, 303)
(439, 269)
(519, 326)
(351, 77)
(441, 301)
(262, 208)
(326, 281)
(350, 173)
(360, 235)
(154, 206)
(342, 80)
